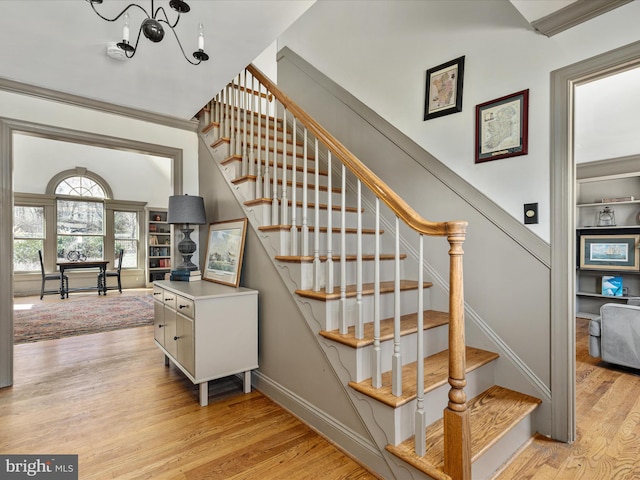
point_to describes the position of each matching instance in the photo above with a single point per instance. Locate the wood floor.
(109, 398)
(608, 427)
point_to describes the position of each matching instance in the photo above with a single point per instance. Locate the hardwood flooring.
(109, 399)
(608, 427)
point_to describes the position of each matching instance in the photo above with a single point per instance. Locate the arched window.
(83, 217)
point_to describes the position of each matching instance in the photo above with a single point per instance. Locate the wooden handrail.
(401, 208)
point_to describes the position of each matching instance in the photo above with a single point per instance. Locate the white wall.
(379, 52)
(132, 176)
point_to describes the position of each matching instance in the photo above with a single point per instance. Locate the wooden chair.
(51, 276)
(102, 278)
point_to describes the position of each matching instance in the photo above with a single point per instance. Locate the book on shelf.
(612, 286)
(186, 272)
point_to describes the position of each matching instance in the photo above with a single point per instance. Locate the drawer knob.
(183, 306)
(157, 293)
(176, 337)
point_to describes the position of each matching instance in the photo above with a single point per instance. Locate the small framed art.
(609, 252)
(225, 248)
(444, 89)
(502, 127)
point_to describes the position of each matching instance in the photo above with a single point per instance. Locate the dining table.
(101, 265)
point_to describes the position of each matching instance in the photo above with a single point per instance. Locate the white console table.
(207, 330)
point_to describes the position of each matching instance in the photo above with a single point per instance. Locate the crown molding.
(78, 101)
(574, 14)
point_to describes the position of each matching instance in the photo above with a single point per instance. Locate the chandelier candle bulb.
(201, 37)
(125, 29)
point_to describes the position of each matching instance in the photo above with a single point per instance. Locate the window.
(28, 237)
(76, 212)
(125, 229)
(80, 227)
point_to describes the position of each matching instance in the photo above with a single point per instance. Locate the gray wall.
(506, 267)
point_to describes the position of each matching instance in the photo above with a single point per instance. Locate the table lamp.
(186, 210)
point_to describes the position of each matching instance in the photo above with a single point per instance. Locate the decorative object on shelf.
(609, 252)
(638, 218)
(153, 30)
(225, 247)
(187, 210)
(618, 199)
(153, 240)
(612, 286)
(76, 256)
(157, 218)
(607, 218)
(502, 127)
(443, 94)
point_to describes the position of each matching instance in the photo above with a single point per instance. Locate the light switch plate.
(530, 213)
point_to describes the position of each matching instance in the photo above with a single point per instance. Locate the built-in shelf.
(159, 258)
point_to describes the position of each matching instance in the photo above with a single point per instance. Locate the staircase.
(429, 401)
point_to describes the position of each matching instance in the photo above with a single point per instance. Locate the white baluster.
(294, 206)
(328, 287)
(284, 202)
(316, 226)
(259, 151)
(267, 148)
(396, 361)
(420, 418)
(252, 156)
(245, 104)
(232, 139)
(237, 96)
(343, 256)
(376, 378)
(359, 328)
(274, 201)
(305, 221)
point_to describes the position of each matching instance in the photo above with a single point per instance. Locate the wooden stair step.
(299, 168)
(336, 258)
(491, 415)
(408, 325)
(310, 206)
(367, 289)
(436, 374)
(348, 231)
(310, 186)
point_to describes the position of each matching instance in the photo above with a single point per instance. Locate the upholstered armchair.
(615, 335)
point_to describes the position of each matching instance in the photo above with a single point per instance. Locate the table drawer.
(169, 299)
(158, 293)
(185, 306)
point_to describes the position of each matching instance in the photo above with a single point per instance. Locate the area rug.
(80, 316)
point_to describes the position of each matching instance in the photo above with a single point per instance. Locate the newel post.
(457, 430)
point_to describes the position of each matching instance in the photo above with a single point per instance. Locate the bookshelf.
(159, 243)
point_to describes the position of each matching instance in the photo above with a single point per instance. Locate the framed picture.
(225, 246)
(502, 127)
(444, 89)
(609, 252)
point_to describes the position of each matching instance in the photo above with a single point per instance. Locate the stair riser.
(263, 213)
(235, 171)
(484, 468)
(304, 274)
(399, 423)
(327, 313)
(359, 361)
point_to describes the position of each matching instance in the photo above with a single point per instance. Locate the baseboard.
(353, 444)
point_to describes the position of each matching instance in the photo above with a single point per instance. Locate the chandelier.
(153, 29)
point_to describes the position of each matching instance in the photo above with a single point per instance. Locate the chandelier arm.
(120, 14)
(166, 18)
(180, 45)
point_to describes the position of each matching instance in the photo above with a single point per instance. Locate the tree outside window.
(28, 237)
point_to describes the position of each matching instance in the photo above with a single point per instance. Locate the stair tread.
(491, 415)
(367, 289)
(350, 231)
(310, 186)
(336, 258)
(299, 168)
(323, 206)
(436, 373)
(408, 325)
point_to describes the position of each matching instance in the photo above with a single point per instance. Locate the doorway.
(563, 255)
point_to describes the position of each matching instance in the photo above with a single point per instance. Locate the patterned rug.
(80, 316)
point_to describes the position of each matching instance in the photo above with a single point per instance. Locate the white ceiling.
(61, 45)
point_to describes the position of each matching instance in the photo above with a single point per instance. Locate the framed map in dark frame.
(502, 127)
(443, 94)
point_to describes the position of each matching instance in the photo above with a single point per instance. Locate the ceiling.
(61, 45)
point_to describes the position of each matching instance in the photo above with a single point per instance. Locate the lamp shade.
(187, 209)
